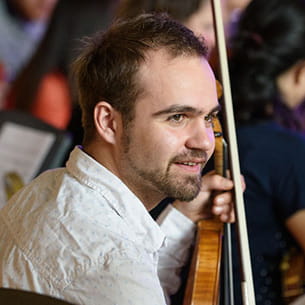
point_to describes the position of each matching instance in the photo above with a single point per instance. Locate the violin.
(293, 275)
(203, 285)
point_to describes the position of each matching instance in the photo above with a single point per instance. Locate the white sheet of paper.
(22, 150)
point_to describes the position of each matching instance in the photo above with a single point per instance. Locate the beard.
(177, 186)
(181, 188)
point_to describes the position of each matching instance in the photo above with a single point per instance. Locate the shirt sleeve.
(179, 231)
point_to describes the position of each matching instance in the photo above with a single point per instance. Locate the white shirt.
(79, 234)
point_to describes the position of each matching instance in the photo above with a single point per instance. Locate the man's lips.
(191, 166)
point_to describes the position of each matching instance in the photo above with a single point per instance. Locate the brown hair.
(107, 68)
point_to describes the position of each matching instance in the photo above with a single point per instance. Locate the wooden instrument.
(203, 282)
(293, 275)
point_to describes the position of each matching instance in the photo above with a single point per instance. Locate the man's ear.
(105, 120)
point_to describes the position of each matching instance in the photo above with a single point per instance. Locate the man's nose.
(201, 137)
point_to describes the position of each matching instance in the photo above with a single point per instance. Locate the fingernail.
(218, 210)
(219, 200)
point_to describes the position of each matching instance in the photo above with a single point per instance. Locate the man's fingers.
(222, 199)
(225, 212)
(216, 183)
(228, 217)
(223, 207)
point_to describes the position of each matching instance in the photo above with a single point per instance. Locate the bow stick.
(246, 272)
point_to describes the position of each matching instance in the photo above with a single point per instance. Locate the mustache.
(190, 155)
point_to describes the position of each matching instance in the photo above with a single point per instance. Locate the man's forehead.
(160, 65)
(163, 56)
(184, 80)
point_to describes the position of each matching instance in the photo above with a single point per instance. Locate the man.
(83, 233)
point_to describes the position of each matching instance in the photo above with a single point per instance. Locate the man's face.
(171, 138)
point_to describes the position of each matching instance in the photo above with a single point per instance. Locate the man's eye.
(177, 118)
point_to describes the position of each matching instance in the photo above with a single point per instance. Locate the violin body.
(293, 275)
(204, 274)
(203, 285)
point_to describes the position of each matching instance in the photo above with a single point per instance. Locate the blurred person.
(197, 15)
(43, 87)
(83, 233)
(3, 85)
(267, 69)
(234, 9)
(22, 25)
(236, 5)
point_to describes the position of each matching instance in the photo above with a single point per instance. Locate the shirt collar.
(91, 173)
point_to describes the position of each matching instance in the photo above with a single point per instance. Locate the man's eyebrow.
(184, 108)
(216, 109)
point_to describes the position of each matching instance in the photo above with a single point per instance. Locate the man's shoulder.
(61, 241)
(63, 226)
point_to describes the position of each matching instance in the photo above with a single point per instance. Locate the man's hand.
(215, 198)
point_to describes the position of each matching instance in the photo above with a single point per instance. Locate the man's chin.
(184, 193)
